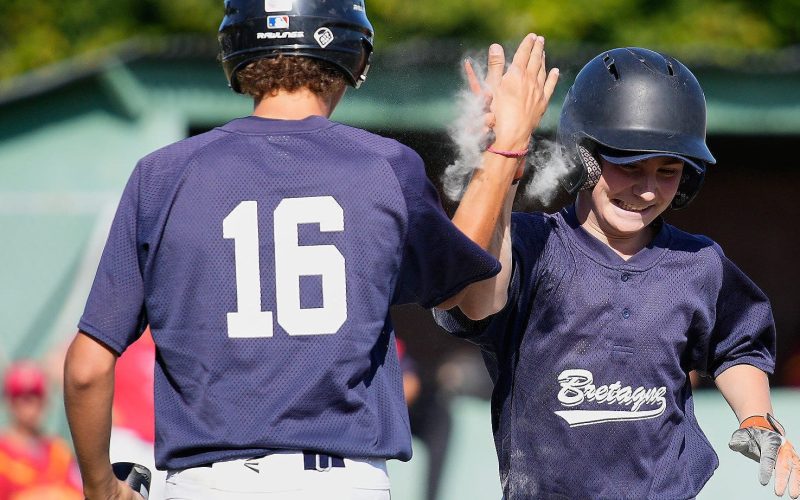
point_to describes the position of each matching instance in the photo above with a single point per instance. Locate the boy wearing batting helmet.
(602, 309)
(265, 255)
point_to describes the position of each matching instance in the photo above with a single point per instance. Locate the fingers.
(550, 83)
(745, 443)
(472, 78)
(536, 59)
(496, 65)
(541, 77)
(489, 121)
(769, 456)
(787, 471)
(523, 54)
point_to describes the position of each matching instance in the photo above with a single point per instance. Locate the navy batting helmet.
(630, 101)
(336, 31)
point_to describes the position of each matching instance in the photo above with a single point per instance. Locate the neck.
(23, 433)
(624, 245)
(294, 105)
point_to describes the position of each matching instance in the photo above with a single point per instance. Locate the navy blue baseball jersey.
(265, 255)
(591, 353)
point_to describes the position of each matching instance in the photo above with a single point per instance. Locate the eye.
(628, 167)
(669, 171)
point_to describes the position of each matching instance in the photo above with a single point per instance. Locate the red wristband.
(508, 154)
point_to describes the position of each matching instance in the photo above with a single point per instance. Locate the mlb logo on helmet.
(277, 5)
(278, 22)
(324, 37)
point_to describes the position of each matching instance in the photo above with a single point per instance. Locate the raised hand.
(521, 93)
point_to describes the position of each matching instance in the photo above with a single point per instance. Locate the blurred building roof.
(410, 86)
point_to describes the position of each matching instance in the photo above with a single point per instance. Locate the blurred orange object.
(33, 465)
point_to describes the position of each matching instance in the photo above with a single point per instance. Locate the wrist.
(508, 153)
(766, 421)
(100, 487)
(519, 157)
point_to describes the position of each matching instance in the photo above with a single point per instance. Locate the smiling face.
(629, 197)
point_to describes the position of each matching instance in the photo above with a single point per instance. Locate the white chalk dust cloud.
(549, 166)
(468, 133)
(546, 163)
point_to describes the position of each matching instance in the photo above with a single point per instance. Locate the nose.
(646, 187)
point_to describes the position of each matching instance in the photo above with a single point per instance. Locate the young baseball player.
(264, 255)
(601, 310)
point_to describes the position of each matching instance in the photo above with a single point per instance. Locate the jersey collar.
(256, 125)
(598, 251)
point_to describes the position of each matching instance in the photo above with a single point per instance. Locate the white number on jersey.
(291, 262)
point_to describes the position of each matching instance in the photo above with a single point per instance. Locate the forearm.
(746, 389)
(519, 100)
(88, 397)
(489, 296)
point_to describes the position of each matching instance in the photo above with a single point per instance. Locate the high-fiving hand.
(516, 97)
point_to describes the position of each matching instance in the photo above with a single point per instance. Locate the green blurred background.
(88, 87)
(36, 33)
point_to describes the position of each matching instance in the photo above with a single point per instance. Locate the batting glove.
(762, 439)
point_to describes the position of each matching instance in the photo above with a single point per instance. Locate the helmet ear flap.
(690, 184)
(593, 169)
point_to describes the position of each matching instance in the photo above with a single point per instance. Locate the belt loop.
(309, 461)
(320, 462)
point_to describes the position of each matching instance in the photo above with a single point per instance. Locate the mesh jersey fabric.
(590, 359)
(315, 224)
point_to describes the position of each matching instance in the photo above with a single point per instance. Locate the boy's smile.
(627, 198)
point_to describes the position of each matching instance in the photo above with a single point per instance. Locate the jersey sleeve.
(492, 334)
(488, 333)
(114, 312)
(744, 329)
(438, 260)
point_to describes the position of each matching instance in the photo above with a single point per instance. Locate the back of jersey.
(269, 253)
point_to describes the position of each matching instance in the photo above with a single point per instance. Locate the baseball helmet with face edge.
(629, 101)
(335, 31)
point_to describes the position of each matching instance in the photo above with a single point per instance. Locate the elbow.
(483, 309)
(87, 366)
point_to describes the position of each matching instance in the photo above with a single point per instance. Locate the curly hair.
(269, 75)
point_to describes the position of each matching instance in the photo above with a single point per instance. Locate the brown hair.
(269, 75)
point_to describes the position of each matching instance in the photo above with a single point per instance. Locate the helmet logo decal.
(324, 37)
(278, 22)
(277, 5)
(279, 35)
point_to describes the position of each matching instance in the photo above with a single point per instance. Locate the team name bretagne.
(577, 387)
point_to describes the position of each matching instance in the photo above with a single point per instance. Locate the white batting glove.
(762, 439)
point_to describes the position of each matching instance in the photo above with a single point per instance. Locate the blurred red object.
(133, 388)
(24, 378)
(791, 370)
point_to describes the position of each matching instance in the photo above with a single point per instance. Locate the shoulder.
(181, 152)
(370, 141)
(533, 220)
(695, 244)
(529, 227)
(398, 155)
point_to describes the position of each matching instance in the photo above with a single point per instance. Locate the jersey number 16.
(291, 262)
